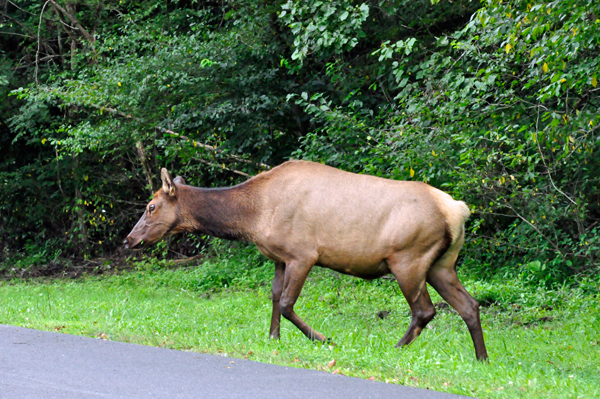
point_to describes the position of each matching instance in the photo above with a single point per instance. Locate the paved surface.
(37, 364)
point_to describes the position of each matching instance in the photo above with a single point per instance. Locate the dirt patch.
(78, 268)
(382, 314)
(534, 322)
(444, 307)
(67, 268)
(487, 302)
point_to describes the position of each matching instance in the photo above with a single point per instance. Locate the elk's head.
(162, 217)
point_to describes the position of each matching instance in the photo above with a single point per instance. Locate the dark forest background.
(496, 102)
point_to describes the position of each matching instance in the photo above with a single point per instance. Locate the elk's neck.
(227, 213)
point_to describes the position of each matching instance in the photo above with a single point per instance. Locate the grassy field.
(542, 343)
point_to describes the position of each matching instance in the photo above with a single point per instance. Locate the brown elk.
(302, 214)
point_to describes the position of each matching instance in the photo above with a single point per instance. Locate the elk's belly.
(362, 261)
(367, 265)
(366, 270)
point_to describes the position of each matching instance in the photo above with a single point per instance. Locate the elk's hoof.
(401, 345)
(484, 359)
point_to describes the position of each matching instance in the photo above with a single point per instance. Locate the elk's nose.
(126, 243)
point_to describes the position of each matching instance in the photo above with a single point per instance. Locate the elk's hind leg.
(411, 276)
(443, 278)
(278, 280)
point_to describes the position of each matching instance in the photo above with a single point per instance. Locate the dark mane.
(221, 212)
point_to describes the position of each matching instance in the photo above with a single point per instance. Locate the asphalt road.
(37, 364)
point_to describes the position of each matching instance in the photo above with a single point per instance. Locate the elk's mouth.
(134, 245)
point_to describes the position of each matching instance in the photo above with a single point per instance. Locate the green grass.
(542, 343)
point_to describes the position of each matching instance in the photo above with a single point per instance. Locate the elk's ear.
(179, 180)
(168, 184)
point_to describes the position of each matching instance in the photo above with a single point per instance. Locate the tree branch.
(506, 204)
(211, 148)
(186, 260)
(16, 34)
(194, 142)
(537, 141)
(25, 28)
(222, 167)
(37, 53)
(75, 22)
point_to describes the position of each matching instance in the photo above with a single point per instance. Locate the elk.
(300, 214)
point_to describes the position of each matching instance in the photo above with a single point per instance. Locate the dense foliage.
(495, 102)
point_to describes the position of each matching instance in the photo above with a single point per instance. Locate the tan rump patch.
(456, 212)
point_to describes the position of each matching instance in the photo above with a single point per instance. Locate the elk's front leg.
(295, 276)
(278, 280)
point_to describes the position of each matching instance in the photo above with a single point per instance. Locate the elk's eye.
(151, 207)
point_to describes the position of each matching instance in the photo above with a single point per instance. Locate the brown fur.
(301, 214)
